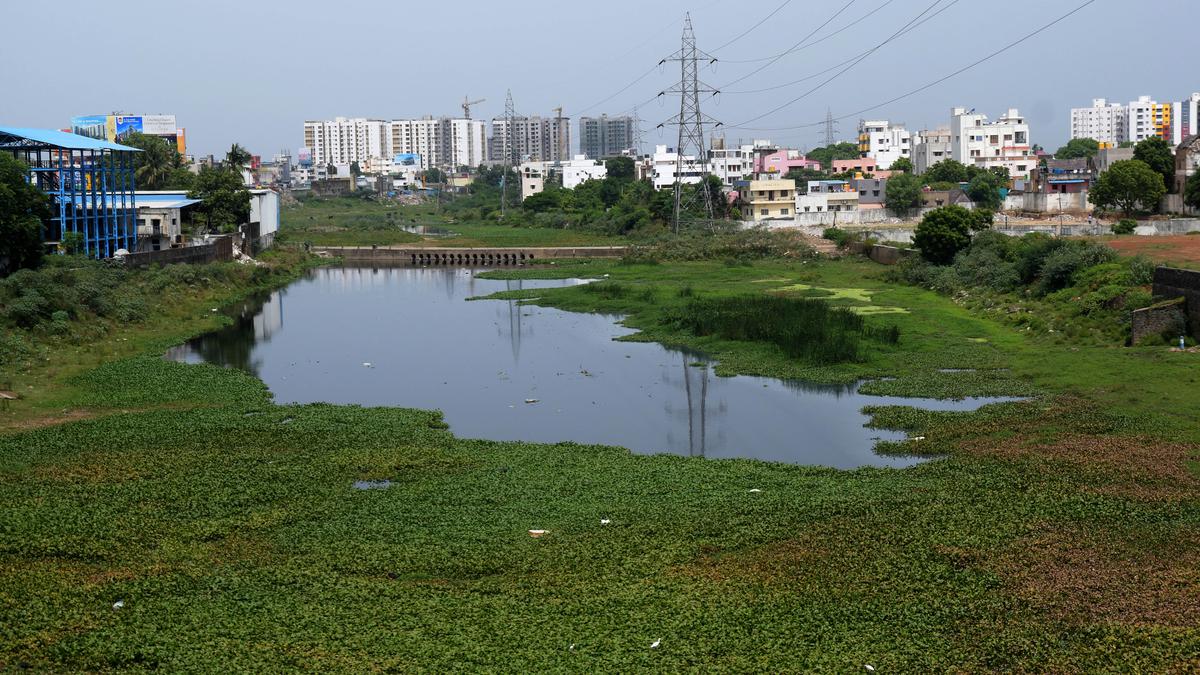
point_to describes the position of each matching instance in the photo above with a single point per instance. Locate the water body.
(498, 370)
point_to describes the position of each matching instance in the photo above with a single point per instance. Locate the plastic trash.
(537, 533)
(917, 438)
(605, 521)
(755, 490)
(118, 604)
(870, 668)
(656, 643)
(531, 400)
(367, 364)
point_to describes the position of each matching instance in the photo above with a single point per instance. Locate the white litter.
(917, 438)
(537, 533)
(214, 309)
(605, 521)
(870, 668)
(531, 400)
(656, 643)
(367, 364)
(118, 604)
(755, 490)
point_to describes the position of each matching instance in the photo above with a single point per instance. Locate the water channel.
(498, 370)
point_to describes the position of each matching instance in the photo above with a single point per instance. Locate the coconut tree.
(236, 158)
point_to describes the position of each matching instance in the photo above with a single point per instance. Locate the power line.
(782, 54)
(936, 82)
(817, 42)
(833, 67)
(751, 29)
(848, 67)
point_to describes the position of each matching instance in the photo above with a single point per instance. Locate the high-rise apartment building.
(605, 136)
(531, 139)
(1104, 122)
(1185, 118)
(1148, 118)
(884, 142)
(1004, 142)
(441, 142)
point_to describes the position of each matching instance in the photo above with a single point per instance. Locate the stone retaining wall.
(1165, 318)
(221, 249)
(1171, 282)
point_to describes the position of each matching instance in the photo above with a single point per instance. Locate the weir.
(427, 255)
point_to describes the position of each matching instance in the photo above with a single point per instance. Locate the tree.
(1078, 147)
(1129, 185)
(984, 190)
(225, 201)
(330, 169)
(827, 154)
(155, 166)
(433, 175)
(944, 232)
(621, 168)
(1160, 157)
(903, 164)
(1191, 193)
(802, 176)
(237, 158)
(948, 171)
(903, 193)
(23, 207)
(354, 170)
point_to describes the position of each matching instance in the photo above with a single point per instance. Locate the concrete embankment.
(421, 255)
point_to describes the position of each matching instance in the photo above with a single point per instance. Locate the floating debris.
(755, 490)
(656, 643)
(118, 604)
(367, 364)
(537, 533)
(372, 484)
(605, 521)
(531, 400)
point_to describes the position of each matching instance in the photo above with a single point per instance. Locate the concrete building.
(827, 195)
(766, 198)
(571, 173)
(605, 136)
(160, 218)
(532, 139)
(1003, 143)
(931, 147)
(871, 191)
(883, 142)
(1147, 118)
(1104, 122)
(1107, 156)
(731, 164)
(1185, 118)
(347, 140)
(1187, 162)
(441, 142)
(782, 161)
(862, 165)
(661, 166)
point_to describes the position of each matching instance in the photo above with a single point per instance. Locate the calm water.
(498, 370)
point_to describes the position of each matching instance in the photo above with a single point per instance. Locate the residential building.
(931, 147)
(1003, 143)
(1104, 122)
(1187, 162)
(160, 218)
(1185, 118)
(862, 165)
(872, 192)
(827, 195)
(605, 136)
(662, 165)
(883, 142)
(1063, 176)
(531, 139)
(571, 173)
(731, 164)
(346, 140)
(1107, 156)
(441, 142)
(1148, 118)
(932, 199)
(782, 161)
(766, 198)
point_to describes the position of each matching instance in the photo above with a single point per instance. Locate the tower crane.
(467, 103)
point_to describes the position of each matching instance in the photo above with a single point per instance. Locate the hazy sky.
(252, 71)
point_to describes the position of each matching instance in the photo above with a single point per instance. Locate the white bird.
(870, 668)
(118, 604)
(656, 643)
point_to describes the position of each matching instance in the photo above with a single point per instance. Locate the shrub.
(1141, 271)
(943, 232)
(1059, 268)
(1124, 226)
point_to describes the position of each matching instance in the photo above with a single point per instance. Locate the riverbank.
(207, 528)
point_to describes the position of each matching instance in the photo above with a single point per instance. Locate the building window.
(764, 212)
(783, 211)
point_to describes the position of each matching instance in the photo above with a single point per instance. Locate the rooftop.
(17, 138)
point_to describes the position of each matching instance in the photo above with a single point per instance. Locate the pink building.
(862, 165)
(783, 161)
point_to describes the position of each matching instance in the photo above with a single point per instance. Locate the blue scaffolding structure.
(91, 182)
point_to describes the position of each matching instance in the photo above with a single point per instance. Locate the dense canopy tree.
(944, 232)
(1129, 185)
(1160, 157)
(1077, 148)
(23, 207)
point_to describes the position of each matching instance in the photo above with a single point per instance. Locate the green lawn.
(1057, 534)
(357, 222)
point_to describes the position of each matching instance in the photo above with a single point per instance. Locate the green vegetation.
(1159, 155)
(1124, 226)
(158, 166)
(1191, 194)
(1129, 185)
(1077, 148)
(225, 199)
(22, 208)
(943, 232)
(903, 194)
(184, 522)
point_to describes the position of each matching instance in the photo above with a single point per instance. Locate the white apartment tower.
(1148, 118)
(532, 139)
(1185, 118)
(344, 141)
(883, 142)
(1004, 142)
(1103, 122)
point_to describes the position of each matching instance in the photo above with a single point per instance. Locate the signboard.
(124, 125)
(304, 157)
(92, 126)
(407, 159)
(158, 125)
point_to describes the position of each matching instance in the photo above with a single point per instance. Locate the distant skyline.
(253, 72)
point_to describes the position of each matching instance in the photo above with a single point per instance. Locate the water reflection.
(479, 362)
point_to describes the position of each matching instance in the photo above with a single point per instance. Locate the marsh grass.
(811, 330)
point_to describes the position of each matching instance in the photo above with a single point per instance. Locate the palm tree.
(236, 158)
(154, 164)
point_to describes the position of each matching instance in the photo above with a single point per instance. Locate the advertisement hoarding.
(92, 126)
(125, 125)
(158, 125)
(407, 159)
(304, 157)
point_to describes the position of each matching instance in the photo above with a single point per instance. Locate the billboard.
(92, 126)
(124, 125)
(407, 159)
(304, 157)
(158, 125)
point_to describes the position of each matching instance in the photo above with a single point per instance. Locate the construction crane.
(467, 103)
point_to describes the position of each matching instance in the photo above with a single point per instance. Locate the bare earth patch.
(1175, 248)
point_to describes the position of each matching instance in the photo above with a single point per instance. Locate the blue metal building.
(90, 181)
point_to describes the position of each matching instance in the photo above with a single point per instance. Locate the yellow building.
(767, 199)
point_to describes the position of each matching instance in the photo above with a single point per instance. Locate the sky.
(252, 71)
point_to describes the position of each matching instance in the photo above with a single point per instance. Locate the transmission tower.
(830, 127)
(637, 133)
(510, 150)
(691, 121)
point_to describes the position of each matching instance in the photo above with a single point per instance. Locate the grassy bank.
(351, 221)
(1057, 534)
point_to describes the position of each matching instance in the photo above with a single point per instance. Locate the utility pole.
(690, 121)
